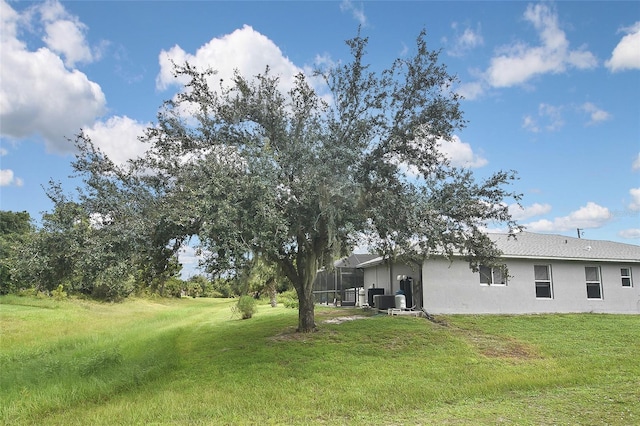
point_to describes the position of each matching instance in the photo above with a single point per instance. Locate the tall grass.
(193, 362)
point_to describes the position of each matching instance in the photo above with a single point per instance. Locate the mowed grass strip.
(193, 362)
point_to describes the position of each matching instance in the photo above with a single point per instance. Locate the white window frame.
(628, 276)
(492, 277)
(598, 281)
(548, 281)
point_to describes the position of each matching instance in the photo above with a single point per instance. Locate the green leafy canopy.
(300, 172)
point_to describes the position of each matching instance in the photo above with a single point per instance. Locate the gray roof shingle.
(527, 245)
(546, 246)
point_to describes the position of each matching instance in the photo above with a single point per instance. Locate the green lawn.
(191, 362)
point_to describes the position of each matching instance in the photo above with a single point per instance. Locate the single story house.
(546, 274)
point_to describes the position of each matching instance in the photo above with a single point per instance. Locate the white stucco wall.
(450, 288)
(380, 277)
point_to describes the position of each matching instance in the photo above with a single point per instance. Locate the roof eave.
(582, 259)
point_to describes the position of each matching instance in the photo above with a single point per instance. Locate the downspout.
(420, 286)
(335, 286)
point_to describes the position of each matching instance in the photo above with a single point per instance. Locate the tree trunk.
(302, 273)
(306, 308)
(273, 294)
(307, 268)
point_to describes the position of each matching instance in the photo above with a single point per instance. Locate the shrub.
(289, 299)
(172, 287)
(246, 306)
(222, 286)
(201, 286)
(213, 293)
(59, 293)
(28, 292)
(33, 292)
(194, 289)
(112, 286)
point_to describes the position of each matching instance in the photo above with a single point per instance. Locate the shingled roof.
(527, 245)
(354, 260)
(546, 246)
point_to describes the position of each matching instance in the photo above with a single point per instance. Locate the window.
(492, 275)
(542, 274)
(594, 285)
(625, 275)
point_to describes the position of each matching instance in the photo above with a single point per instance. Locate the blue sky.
(552, 88)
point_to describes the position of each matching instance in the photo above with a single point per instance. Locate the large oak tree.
(300, 176)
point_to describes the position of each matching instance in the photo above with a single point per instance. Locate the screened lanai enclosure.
(340, 285)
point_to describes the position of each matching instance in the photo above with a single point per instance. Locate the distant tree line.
(74, 250)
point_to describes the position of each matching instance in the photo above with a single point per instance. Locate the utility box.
(382, 302)
(372, 292)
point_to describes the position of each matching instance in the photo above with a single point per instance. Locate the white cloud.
(65, 34)
(470, 38)
(518, 212)
(626, 55)
(118, 138)
(245, 49)
(552, 115)
(356, 12)
(636, 163)
(631, 233)
(8, 179)
(549, 118)
(519, 62)
(8, 30)
(590, 216)
(471, 91)
(635, 199)
(190, 257)
(404, 51)
(39, 95)
(324, 60)
(466, 40)
(529, 123)
(461, 154)
(596, 114)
